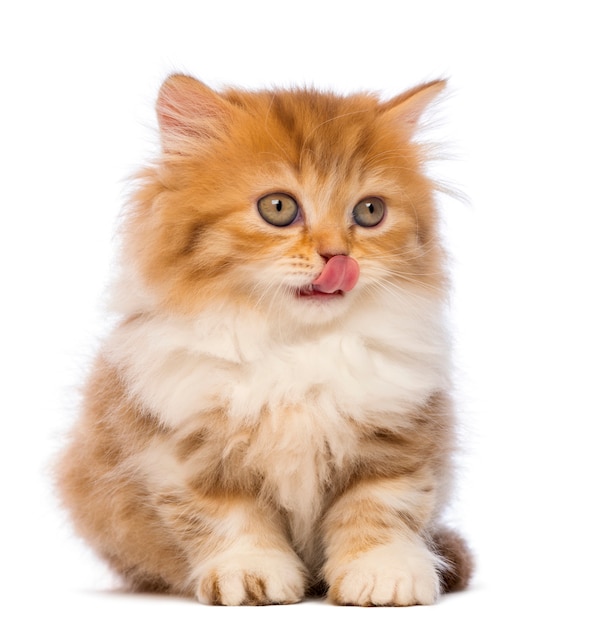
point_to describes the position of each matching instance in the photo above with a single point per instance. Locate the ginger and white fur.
(239, 443)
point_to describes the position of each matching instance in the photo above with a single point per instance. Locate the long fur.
(241, 443)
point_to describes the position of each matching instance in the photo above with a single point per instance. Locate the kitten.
(271, 415)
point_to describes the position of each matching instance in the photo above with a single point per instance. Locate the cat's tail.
(456, 557)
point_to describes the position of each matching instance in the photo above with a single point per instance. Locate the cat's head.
(295, 203)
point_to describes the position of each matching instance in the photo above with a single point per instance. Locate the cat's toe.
(381, 579)
(253, 581)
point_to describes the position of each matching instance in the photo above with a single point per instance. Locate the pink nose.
(339, 274)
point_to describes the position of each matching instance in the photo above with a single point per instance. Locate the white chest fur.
(379, 361)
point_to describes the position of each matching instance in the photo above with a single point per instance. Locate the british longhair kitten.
(270, 416)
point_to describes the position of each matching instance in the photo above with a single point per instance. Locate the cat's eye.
(369, 212)
(278, 209)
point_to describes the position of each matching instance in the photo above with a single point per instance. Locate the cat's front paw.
(386, 576)
(253, 579)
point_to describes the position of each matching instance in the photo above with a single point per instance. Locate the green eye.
(369, 212)
(278, 209)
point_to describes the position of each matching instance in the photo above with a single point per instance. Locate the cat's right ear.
(407, 109)
(189, 113)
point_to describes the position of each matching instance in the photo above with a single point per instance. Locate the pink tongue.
(339, 274)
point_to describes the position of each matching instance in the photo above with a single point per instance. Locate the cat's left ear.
(406, 109)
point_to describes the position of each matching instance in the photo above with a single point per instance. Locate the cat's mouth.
(340, 274)
(310, 292)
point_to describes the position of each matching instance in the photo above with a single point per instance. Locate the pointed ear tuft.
(406, 109)
(187, 111)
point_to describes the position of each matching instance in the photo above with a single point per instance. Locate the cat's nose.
(329, 254)
(330, 241)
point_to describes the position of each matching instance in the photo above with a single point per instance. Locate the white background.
(525, 122)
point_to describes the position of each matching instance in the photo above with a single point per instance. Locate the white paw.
(387, 576)
(261, 578)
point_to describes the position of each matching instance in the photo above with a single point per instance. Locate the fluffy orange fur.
(240, 442)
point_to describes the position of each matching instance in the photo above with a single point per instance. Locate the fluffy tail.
(456, 557)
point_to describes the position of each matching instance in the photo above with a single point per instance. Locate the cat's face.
(296, 203)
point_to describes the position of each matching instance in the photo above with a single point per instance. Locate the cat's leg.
(375, 555)
(238, 551)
